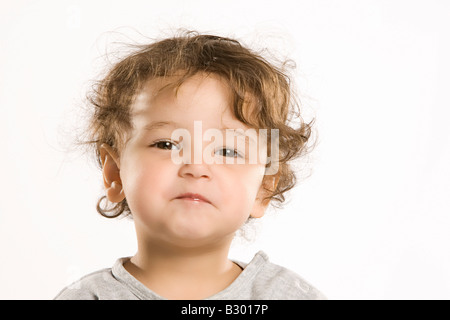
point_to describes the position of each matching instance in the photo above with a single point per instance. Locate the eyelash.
(236, 153)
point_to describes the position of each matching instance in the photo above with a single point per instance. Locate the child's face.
(151, 181)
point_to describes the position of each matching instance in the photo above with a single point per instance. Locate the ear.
(260, 206)
(111, 174)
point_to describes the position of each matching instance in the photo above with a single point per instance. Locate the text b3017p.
(246, 308)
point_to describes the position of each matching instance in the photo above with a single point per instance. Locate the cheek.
(145, 182)
(240, 188)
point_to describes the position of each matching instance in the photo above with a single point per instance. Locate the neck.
(176, 272)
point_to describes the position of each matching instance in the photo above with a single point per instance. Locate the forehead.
(198, 98)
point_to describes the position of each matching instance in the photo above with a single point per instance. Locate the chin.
(197, 238)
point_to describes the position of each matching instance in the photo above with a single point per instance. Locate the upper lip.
(193, 196)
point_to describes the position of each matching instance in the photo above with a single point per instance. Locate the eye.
(163, 144)
(228, 152)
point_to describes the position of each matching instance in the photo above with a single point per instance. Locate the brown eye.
(164, 144)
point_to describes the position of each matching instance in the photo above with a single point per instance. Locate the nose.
(193, 164)
(195, 171)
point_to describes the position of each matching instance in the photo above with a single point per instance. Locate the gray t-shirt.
(259, 280)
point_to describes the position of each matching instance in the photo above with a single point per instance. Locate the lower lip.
(190, 200)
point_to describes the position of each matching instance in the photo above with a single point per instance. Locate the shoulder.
(98, 285)
(275, 282)
(86, 288)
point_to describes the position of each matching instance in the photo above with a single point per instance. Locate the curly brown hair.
(247, 73)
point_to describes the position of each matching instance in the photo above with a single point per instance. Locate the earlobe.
(269, 183)
(259, 209)
(115, 192)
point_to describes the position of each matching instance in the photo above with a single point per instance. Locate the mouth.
(194, 197)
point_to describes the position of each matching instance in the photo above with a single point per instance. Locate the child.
(187, 199)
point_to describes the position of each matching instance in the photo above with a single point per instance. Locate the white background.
(371, 222)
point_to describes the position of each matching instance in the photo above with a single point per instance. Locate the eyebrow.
(155, 125)
(159, 124)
